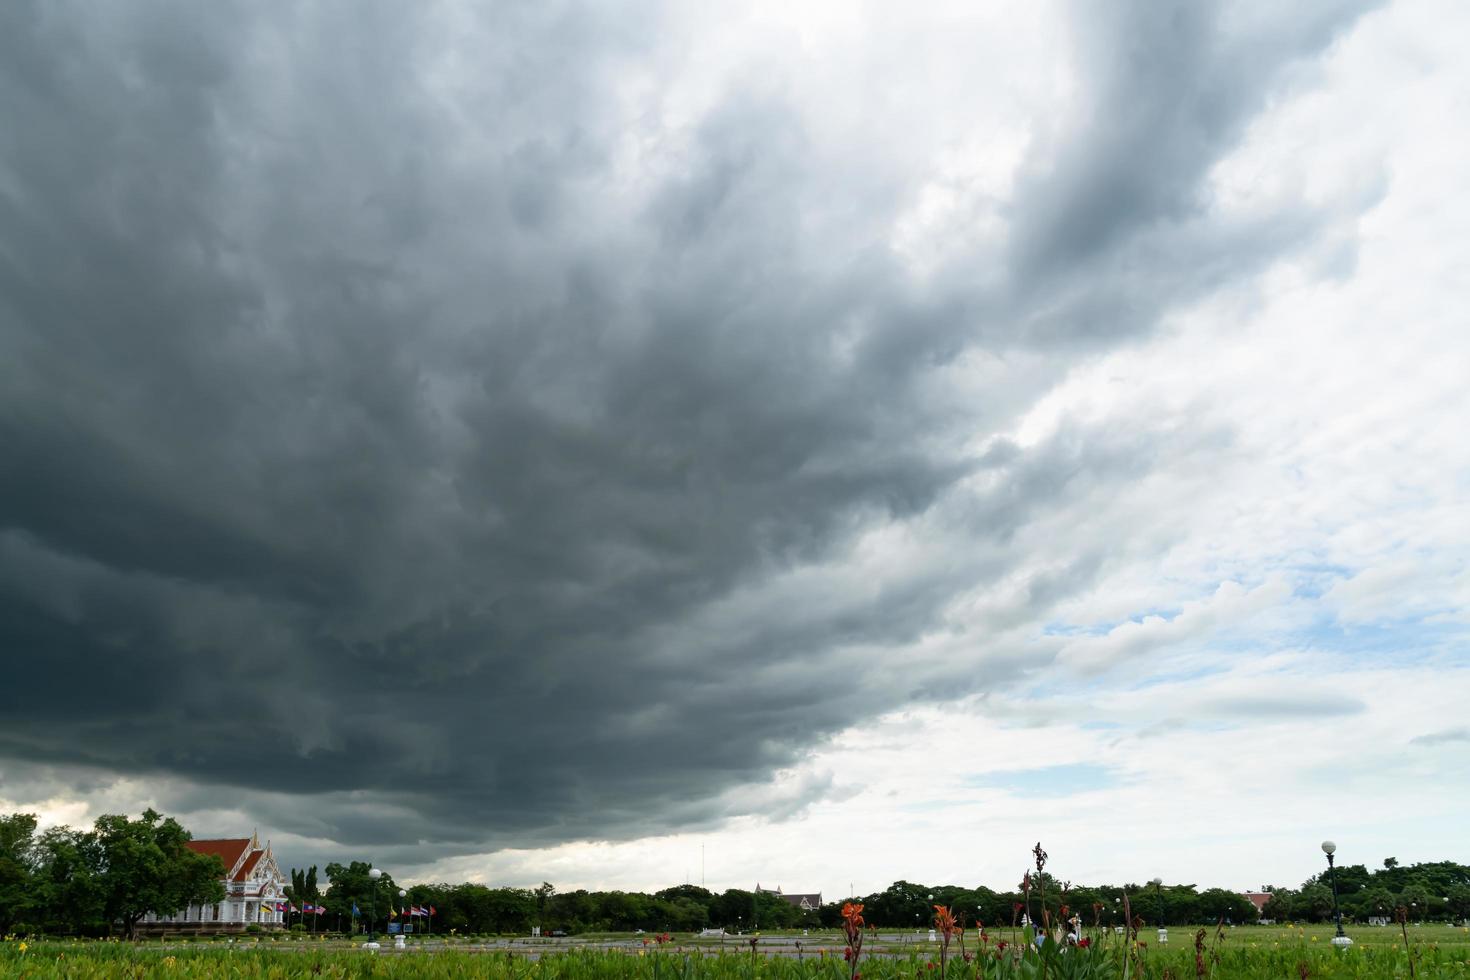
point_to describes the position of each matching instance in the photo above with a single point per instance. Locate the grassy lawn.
(1245, 952)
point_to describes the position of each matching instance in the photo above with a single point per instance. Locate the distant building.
(254, 886)
(1258, 899)
(807, 903)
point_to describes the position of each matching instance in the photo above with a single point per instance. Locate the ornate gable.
(268, 870)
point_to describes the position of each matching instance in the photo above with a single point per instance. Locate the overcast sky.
(535, 441)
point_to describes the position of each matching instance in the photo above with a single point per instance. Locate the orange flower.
(852, 925)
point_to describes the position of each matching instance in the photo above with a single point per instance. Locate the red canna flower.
(852, 927)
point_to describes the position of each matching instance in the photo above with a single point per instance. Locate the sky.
(814, 444)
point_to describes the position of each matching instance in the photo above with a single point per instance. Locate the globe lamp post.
(374, 874)
(1340, 940)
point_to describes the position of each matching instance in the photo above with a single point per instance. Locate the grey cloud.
(1444, 737)
(377, 444)
(1283, 706)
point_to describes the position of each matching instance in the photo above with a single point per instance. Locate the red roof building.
(1259, 899)
(254, 887)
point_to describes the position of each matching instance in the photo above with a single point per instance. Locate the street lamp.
(1340, 940)
(402, 926)
(374, 874)
(1158, 884)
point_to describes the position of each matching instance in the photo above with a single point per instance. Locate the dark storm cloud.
(375, 430)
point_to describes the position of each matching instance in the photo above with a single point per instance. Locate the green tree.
(1351, 879)
(17, 868)
(68, 880)
(573, 911)
(303, 887)
(1373, 901)
(352, 885)
(901, 905)
(542, 894)
(1281, 906)
(692, 893)
(1313, 903)
(145, 867)
(732, 909)
(510, 910)
(1220, 903)
(1459, 906)
(1418, 900)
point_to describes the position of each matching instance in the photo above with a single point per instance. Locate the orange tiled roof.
(250, 863)
(227, 850)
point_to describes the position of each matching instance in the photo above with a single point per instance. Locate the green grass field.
(1247, 952)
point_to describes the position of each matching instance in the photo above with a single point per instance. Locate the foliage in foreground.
(1297, 961)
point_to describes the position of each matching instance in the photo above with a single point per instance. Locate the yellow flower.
(23, 946)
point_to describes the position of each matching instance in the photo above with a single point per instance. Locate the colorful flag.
(355, 913)
(432, 912)
(392, 914)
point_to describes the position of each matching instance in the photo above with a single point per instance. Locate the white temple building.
(254, 886)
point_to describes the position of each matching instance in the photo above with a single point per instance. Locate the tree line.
(99, 881)
(1434, 891)
(103, 880)
(1430, 891)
